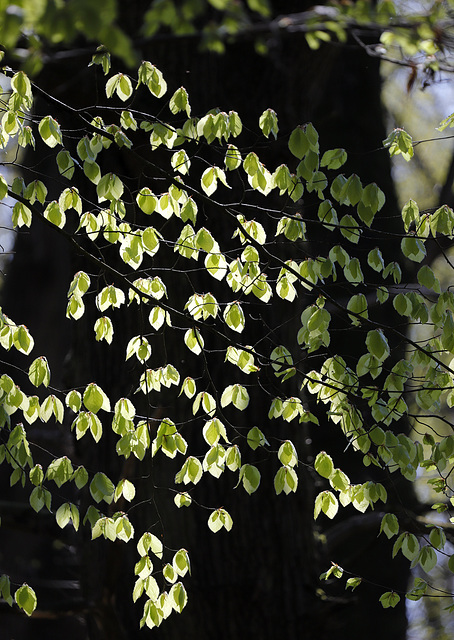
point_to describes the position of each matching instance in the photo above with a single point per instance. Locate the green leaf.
(206, 401)
(213, 431)
(375, 260)
(150, 76)
(188, 387)
(285, 480)
(110, 187)
(181, 563)
(69, 199)
(413, 248)
(180, 162)
(250, 477)
(21, 85)
(104, 329)
(22, 216)
(169, 573)
(352, 272)
(373, 198)
(109, 297)
(39, 372)
(426, 278)
(357, 305)
(353, 190)
(234, 123)
(427, 558)
(194, 341)
(182, 500)
(393, 269)
(179, 102)
(399, 142)
(389, 599)
(80, 477)
(324, 465)
(143, 568)
(334, 159)
(65, 164)
(237, 395)
(283, 179)
(51, 406)
(65, 513)
(95, 399)
(5, 589)
(146, 200)
(204, 240)
(442, 221)
(327, 503)
(251, 163)
(119, 84)
(256, 438)
(25, 137)
(191, 471)
(287, 454)
(178, 597)
(36, 475)
(49, 130)
(234, 317)
(101, 488)
(437, 537)
(451, 564)
(350, 229)
(377, 344)
(232, 158)
(73, 400)
(26, 599)
(220, 519)
(126, 489)
(101, 57)
(55, 215)
(125, 531)
(339, 480)
(268, 123)
(352, 583)
(85, 150)
(3, 188)
(335, 570)
(298, 143)
(382, 294)
(365, 214)
(233, 458)
(410, 214)
(210, 177)
(447, 122)
(389, 525)
(60, 471)
(410, 546)
(150, 542)
(39, 498)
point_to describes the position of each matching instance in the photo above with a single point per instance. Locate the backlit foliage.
(264, 257)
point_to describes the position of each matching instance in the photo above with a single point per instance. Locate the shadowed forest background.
(262, 579)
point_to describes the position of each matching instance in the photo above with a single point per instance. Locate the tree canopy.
(267, 320)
